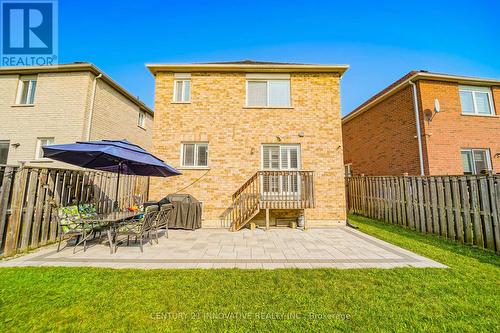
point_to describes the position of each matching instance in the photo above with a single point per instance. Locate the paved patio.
(340, 247)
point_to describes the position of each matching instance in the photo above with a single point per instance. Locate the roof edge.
(421, 75)
(77, 67)
(247, 68)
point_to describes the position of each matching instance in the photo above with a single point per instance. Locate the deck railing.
(271, 190)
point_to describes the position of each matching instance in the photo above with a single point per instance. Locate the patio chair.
(71, 224)
(138, 228)
(163, 218)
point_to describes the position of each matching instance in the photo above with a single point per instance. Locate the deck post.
(267, 218)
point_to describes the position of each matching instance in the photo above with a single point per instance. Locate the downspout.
(92, 101)
(419, 132)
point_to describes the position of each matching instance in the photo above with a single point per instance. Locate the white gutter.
(419, 132)
(92, 102)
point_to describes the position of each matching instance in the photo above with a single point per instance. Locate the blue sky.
(380, 40)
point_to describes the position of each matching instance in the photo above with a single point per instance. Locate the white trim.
(182, 92)
(473, 90)
(195, 159)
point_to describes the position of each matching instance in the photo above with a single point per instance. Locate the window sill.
(269, 107)
(180, 102)
(22, 105)
(193, 168)
(480, 115)
(142, 128)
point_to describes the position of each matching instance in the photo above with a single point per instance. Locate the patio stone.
(339, 247)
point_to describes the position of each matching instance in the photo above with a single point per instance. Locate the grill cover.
(187, 211)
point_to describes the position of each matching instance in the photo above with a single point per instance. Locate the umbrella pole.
(117, 185)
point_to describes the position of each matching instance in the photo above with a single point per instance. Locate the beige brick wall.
(61, 110)
(115, 117)
(217, 114)
(58, 111)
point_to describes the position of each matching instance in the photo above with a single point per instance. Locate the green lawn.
(465, 297)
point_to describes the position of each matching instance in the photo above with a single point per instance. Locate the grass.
(464, 297)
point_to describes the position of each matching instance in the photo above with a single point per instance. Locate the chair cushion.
(87, 210)
(70, 219)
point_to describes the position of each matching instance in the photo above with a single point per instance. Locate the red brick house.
(426, 124)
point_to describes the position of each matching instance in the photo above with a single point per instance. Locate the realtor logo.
(29, 32)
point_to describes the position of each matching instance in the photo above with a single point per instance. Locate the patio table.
(111, 220)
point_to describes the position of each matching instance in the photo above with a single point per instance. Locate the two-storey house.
(257, 142)
(426, 124)
(41, 105)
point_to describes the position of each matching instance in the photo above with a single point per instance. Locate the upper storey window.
(26, 90)
(182, 88)
(268, 90)
(476, 100)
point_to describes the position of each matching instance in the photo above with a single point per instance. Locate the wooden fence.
(25, 195)
(461, 208)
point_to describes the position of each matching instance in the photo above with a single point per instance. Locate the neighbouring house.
(426, 124)
(256, 142)
(61, 104)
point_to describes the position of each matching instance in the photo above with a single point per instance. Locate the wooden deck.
(271, 190)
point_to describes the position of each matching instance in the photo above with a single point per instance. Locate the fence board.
(40, 195)
(459, 226)
(486, 213)
(495, 207)
(28, 216)
(450, 223)
(427, 204)
(476, 213)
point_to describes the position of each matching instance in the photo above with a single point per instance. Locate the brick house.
(255, 141)
(62, 104)
(426, 123)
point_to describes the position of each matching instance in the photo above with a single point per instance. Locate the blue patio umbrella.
(118, 156)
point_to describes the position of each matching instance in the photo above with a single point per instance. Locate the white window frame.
(268, 95)
(472, 150)
(182, 92)
(196, 146)
(473, 90)
(280, 145)
(29, 95)
(38, 150)
(141, 120)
